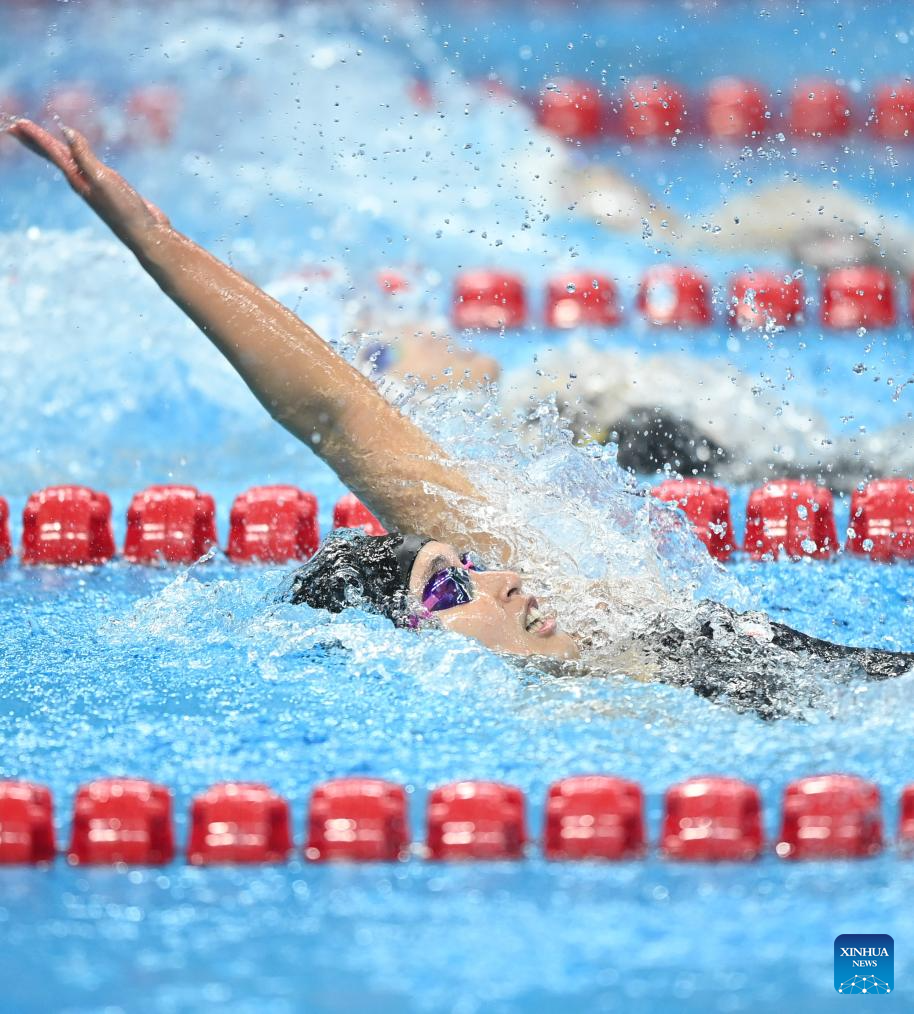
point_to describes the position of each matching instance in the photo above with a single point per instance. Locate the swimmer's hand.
(129, 216)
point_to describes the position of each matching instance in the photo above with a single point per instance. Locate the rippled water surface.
(301, 158)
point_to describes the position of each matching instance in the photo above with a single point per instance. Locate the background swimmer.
(665, 412)
(816, 226)
(672, 411)
(412, 352)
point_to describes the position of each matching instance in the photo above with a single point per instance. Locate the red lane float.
(6, 544)
(11, 104)
(708, 508)
(67, 526)
(350, 512)
(476, 820)
(858, 297)
(176, 524)
(830, 817)
(239, 822)
(357, 819)
(122, 820)
(77, 105)
(675, 296)
(893, 112)
(906, 821)
(26, 823)
(712, 819)
(151, 114)
(594, 817)
(582, 298)
(790, 516)
(496, 89)
(652, 110)
(735, 110)
(490, 300)
(421, 93)
(761, 298)
(882, 520)
(392, 281)
(273, 524)
(571, 109)
(820, 110)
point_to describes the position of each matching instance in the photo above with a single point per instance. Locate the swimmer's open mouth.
(535, 622)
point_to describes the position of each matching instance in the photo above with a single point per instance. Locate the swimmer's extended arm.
(402, 475)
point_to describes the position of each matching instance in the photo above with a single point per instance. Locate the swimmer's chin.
(557, 646)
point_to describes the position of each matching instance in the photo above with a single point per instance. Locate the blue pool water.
(299, 147)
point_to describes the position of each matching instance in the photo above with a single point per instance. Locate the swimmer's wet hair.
(352, 569)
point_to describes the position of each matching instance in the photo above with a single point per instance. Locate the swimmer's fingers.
(92, 170)
(33, 137)
(82, 154)
(101, 187)
(38, 140)
(107, 191)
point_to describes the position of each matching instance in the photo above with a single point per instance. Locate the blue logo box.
(864, 963)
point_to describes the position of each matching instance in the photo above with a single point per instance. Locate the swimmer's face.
(502, 616)
(419, 352)
(438, 360)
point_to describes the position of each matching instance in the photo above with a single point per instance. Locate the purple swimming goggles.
(450, 587)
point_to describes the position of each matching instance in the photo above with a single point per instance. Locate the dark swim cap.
(354, 569)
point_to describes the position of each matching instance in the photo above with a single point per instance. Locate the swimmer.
(818, 227)
(395, 340)
(666, 413)
(421, 574)
(672, 412)
(409, 352)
